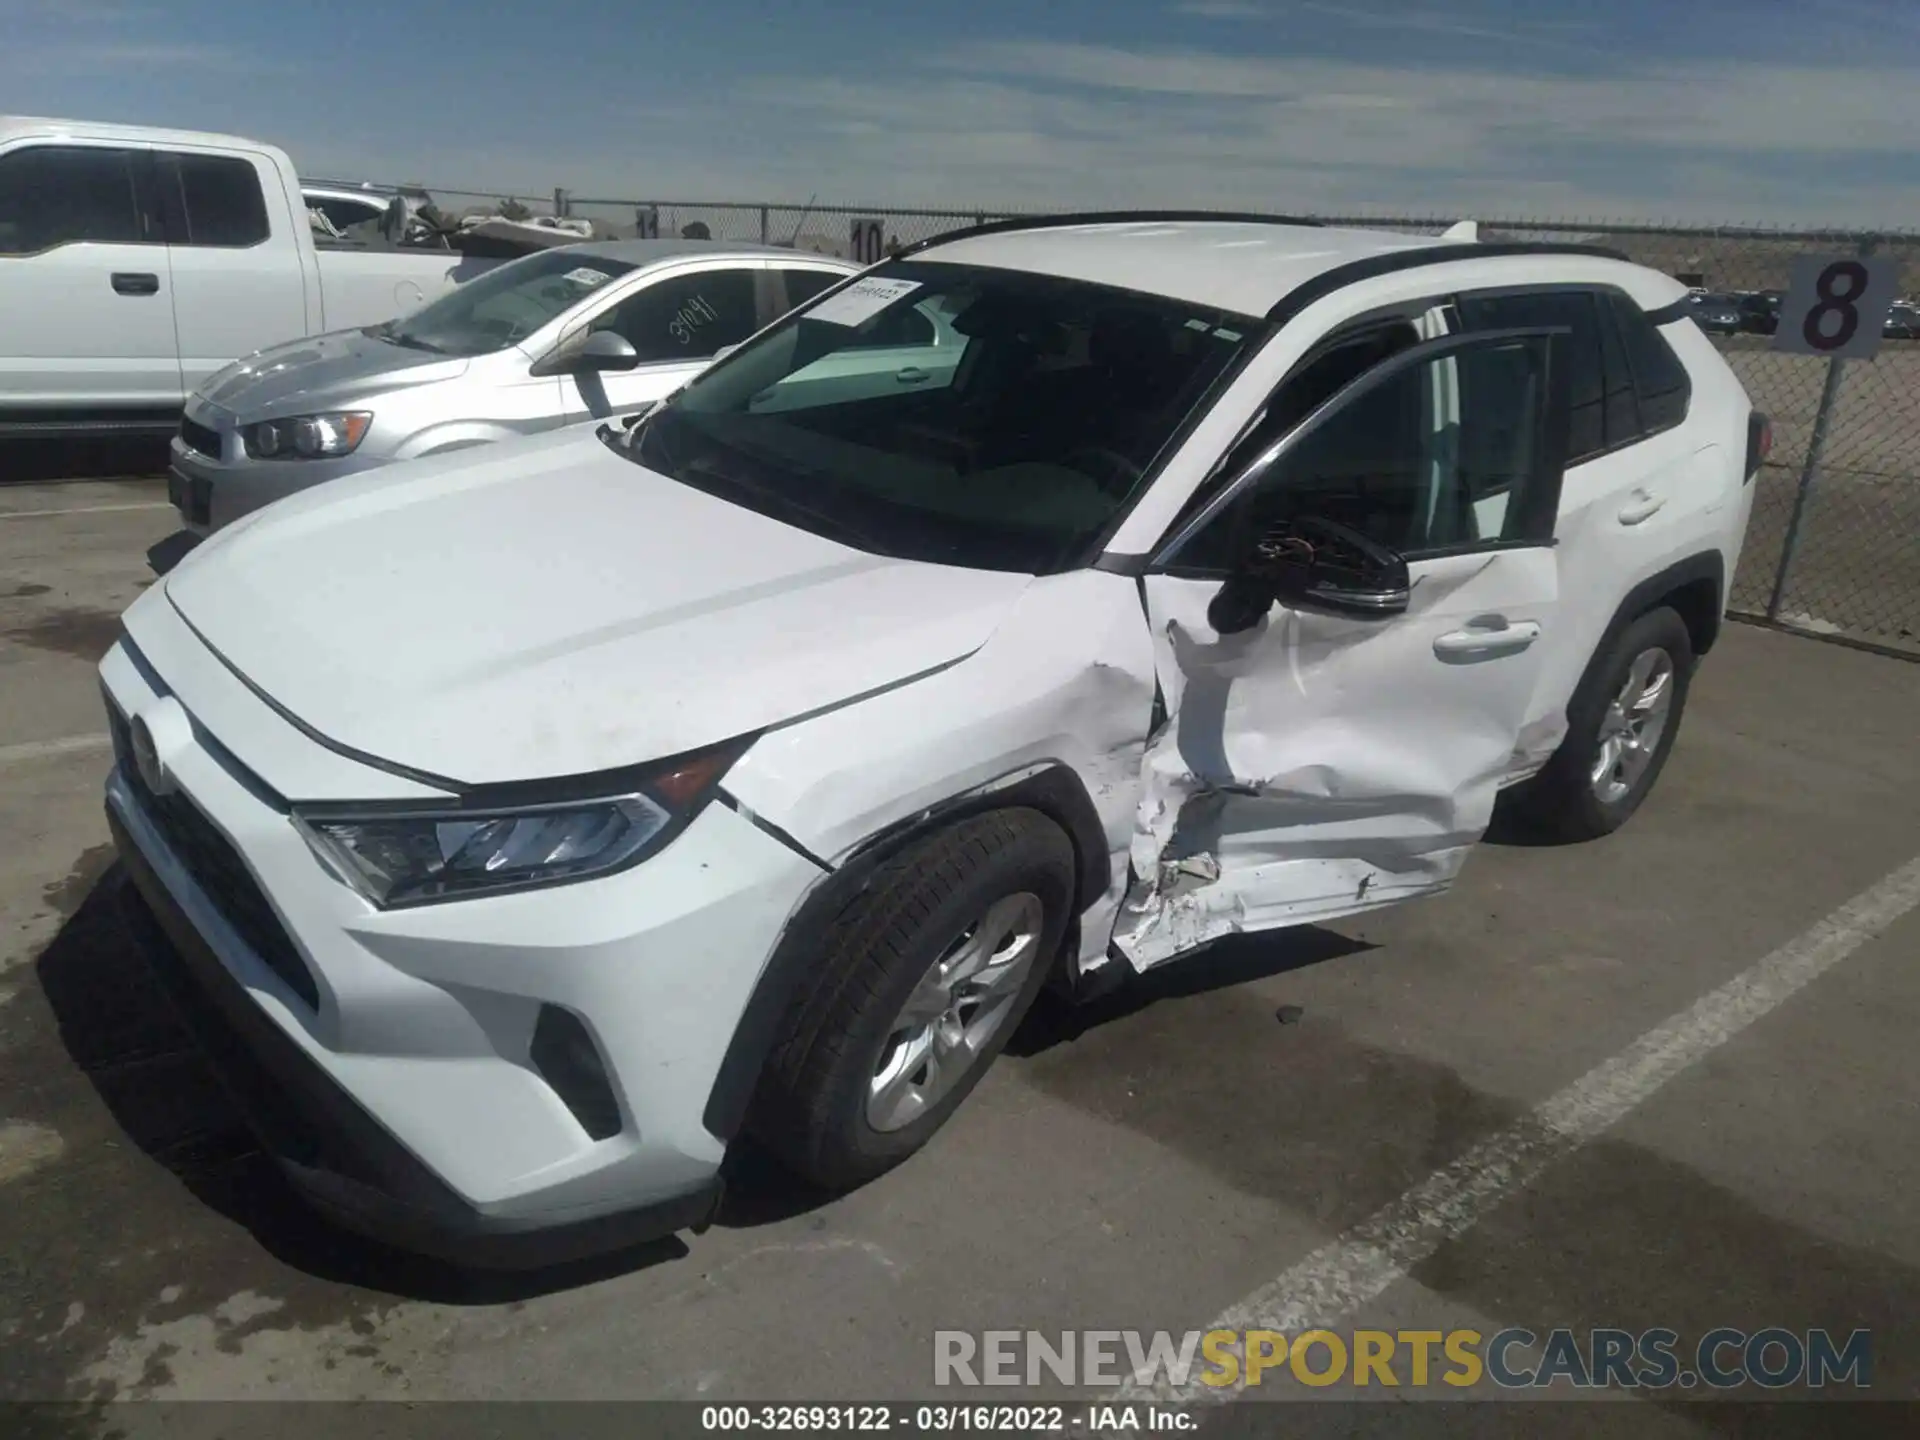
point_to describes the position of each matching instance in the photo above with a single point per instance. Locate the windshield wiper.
(410, 342)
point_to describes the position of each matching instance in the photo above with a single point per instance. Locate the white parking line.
(1336, 1280)
(41, 749)
(85, 510)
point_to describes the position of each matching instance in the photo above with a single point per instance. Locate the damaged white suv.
(522, 827)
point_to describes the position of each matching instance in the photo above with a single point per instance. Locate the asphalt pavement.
(1659, 1081)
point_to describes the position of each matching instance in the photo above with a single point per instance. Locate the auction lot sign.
(1837, 305)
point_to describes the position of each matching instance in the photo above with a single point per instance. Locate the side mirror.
(1316, 563)
(589, 351)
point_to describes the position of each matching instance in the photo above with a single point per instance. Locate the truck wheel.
(922, 980)
(1621, 725)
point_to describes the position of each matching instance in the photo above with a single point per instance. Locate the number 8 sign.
(1837, 305)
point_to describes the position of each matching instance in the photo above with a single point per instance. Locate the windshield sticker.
(1199, 325)
(861, 301)
(1228, 335)
(587, 278)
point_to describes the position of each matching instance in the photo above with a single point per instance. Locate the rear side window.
(222, 203)
(67, 195)
(803, 285)
(1660, 381)
(687, 317)
(1626, 382)
(1577, 311)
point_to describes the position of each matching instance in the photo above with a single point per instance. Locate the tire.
(822, 1106)
(1565, 801)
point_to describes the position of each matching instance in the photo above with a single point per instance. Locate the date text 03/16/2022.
(914, 1419)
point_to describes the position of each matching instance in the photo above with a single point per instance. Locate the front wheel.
(923, 978)
(1621, 725)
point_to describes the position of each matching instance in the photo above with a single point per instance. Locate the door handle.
(1641, 508)
(136, 282)
(912, 375)
(1488, 641)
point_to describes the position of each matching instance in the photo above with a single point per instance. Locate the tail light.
(1759, 442)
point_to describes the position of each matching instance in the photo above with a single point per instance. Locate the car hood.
(548, 608)
(337, 370)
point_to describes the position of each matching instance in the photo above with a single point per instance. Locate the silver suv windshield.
(503, 306)
(963, 415)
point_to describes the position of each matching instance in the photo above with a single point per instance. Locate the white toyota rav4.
(520, 828)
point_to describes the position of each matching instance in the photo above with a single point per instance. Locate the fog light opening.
(567, 1059)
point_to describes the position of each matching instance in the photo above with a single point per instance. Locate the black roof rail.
(1392, 261)
(1106, 217)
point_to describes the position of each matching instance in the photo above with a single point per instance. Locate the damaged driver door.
(1347, 637)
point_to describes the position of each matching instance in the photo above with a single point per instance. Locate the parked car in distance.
(542, 819)
(562, 335)
(135, 262)
(1760, 312)
(1714, 313)
(1902, 322)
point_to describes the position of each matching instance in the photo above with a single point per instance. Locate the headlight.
(307, 437)
(400, 856)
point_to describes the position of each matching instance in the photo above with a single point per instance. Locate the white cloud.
(1060, 125)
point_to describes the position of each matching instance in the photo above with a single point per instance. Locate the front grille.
(216, 867)
(198, 437)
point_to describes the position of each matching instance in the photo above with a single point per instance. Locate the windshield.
(503, 306)
(969, 416)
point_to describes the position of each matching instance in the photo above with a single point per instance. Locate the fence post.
(763, 224)
(1810, 471)
(559, 203)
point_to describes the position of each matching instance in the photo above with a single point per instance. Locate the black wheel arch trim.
(1054, 789)
(1708, 565)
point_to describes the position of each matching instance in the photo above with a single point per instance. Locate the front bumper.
(388, 1059)
(335, 1154)
(214, 486)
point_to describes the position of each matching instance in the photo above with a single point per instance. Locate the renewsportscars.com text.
(1512, 1359)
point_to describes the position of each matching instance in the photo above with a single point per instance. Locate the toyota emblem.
(146, 759)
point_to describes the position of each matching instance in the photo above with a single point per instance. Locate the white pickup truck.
(135, 262)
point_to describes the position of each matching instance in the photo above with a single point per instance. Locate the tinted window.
(1437, 457)
(1009, 452)
(63, 195)
(1622, 414)
(686, 317)
(223, 203)
(1659, 379)
(505, 305)
(1577, 311)
(803, 285)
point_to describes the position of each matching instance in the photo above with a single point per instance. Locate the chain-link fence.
(1834, 544)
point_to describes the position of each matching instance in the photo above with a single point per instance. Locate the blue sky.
(1787, 110)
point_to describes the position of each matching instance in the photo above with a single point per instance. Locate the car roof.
(648, 252)
(46, 127)
(1243, 265)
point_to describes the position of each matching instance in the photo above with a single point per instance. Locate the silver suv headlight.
(307, 437)
(401, 855)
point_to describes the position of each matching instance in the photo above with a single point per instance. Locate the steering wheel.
(1109, 469)
(1315, 535)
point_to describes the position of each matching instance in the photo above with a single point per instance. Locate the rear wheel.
(1621, 725)
(923, 979)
